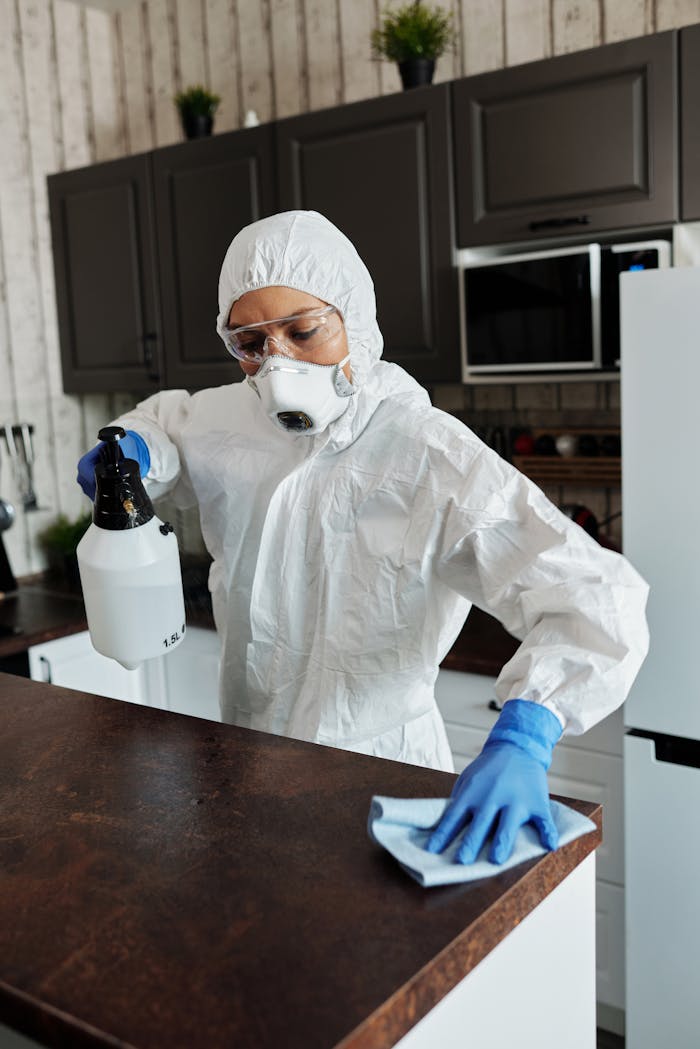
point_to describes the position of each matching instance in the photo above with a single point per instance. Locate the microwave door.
(533, 312)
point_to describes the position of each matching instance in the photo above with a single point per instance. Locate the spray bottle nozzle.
(121, 501)
(111, 453)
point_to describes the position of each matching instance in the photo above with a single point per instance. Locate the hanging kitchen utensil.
(8, 583)
(22, 461)
(29, 501)
(7, 515)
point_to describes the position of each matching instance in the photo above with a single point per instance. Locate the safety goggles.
(299, 335)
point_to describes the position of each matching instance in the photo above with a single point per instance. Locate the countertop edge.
(38, 1020)
(415, 999)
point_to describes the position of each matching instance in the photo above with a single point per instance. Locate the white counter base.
(535, 990)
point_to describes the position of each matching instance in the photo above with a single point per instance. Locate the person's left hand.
(503, 788)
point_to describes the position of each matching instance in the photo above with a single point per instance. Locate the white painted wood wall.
(80, 85)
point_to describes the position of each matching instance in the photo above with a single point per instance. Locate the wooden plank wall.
(81, 85)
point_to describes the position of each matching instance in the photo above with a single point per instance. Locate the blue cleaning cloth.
(403, 825)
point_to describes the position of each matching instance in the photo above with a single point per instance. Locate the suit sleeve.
(578, 609)
(160, 420)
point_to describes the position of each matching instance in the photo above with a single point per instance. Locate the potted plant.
(60, 540)
(414, 36)
(197, 107)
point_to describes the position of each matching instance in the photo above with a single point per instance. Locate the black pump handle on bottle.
(121, 501)
(111, 453)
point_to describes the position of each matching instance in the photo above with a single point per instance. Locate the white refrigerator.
(660, 384)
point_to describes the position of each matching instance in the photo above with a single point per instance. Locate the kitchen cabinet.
(573, 145)
(138, 245)
(690, 122)
(190, 199)
(590, 766)
(72, 662)
(105, 273)
(576, 144)
(186, 681)
(189, 675)
(205, 191)
(380, 170)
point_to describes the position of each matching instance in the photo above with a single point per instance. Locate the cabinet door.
(103, 249)
(610, 944)
(191, 675)
(573, 144)
(380, 171)
(205, 191)
(690, 122)
(73, 663)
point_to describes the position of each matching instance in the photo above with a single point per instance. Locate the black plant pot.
(415, 72)
(197, 125)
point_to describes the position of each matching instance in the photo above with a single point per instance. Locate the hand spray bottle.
(129, 565)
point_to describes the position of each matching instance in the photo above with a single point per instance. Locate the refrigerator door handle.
(677, 750)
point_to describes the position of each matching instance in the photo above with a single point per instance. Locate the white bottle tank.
(129, 565)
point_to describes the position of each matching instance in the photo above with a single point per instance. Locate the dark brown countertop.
(42, 611)
(35, 614)
(167, 881)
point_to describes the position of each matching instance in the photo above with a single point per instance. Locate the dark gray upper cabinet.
(380, 170)
(690, 122)
(205, 192)
(577, 144)
(104, 265)
(583, 141)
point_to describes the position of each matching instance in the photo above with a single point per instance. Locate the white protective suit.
(346, 563)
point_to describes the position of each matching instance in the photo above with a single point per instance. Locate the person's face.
(265, 304)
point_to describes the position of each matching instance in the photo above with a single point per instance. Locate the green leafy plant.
(62, 536)
(197, 102)
(413, 31)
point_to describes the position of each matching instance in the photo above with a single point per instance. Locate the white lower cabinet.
(589, 767)
(610, 944)
(190, 675)
(73, 663)
(186, 680)
(545, 970)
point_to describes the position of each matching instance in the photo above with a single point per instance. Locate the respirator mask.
(300, 397)
(297, 394)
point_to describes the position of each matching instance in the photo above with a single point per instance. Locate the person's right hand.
(132, 445)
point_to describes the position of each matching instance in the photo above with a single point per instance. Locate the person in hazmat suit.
(352, 525)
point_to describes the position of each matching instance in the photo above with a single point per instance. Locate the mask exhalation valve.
(295, 421)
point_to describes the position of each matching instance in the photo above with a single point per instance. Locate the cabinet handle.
(148, 342)
(575, 220)
(493, 704)
(45, 669)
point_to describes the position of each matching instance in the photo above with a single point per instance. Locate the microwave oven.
(548, 311)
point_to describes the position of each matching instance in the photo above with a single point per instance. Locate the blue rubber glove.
(504, 787)
(133, 446)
